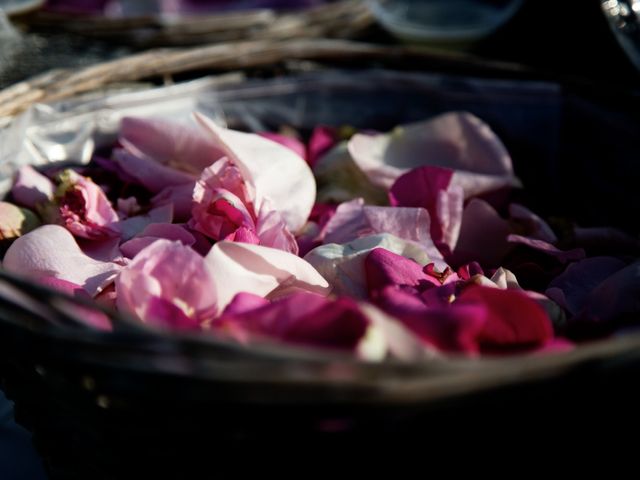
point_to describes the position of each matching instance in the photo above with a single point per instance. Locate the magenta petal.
(545, 247)
(430, 188)
(322, 140)
(384, 268)
(291, 143)
(571, 289)
(514, 320)
(303, 318)
(244, 302)
(31, 188)
(449, 328)
(419, 187)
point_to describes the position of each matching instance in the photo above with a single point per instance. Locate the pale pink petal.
(272, 231)
(483, 235)
(354, 220)
(274, 172)
(157, 231)
(51, 251)
(31, 188)
(132, 226)
(181, 147)
(458, 140)
(169, 285)
(242, 267)
(148, 173)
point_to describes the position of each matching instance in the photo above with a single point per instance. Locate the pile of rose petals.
(409, 246)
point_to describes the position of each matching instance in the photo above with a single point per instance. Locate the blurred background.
(592, 39)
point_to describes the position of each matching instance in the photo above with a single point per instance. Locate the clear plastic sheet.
(575, 153)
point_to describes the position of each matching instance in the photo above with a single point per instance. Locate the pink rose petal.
(431, 188)
(354, 220)
(302, 318)
(51, 251)
(31, 188)
(458, 140)
(483, 236)
(263, 164)
(181, 147)
(242, 267)
(168, 285)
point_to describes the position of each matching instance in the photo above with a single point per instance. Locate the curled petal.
(51, 251)
(431, 188)
(169, 285)
(242, 267)
(354, 220)
(180, 147)
(344, 265)
(458, 140)
(262, 163)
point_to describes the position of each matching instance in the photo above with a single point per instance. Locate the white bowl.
(443, 22)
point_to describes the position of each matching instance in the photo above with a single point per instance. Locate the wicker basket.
(339, 19)
(109, 406)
